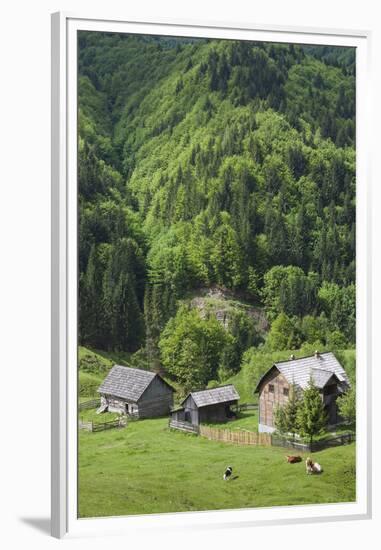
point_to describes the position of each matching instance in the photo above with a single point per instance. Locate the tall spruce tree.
(286, 417)
(311, 414)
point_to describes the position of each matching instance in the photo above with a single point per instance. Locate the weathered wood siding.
(191, 412)
(215, 413)
(178, 416)
(329, 396)
(195, 415)
(117, 405)
(269, 401)
(157, 400)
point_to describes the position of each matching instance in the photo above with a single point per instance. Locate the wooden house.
(274, 387)
(137, 392)
(212, 405)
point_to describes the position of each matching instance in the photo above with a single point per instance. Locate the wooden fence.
(183, 426)
(85, 425)
(319, 445)
(91, 404)
(343, 439)
(242, 437)
(279, 441)
(245, 407)
(101, 426)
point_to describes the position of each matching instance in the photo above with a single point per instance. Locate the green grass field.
(147, 468)
(246, 420)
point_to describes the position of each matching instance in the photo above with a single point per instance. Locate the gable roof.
(299, 371)
(222, 394)
(321, 377)
(127, 382)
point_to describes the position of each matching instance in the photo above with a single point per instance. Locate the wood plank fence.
(101, 426)
(91, 404)
(85, 425)
(245, 437)
(183, 426)
(245, 407)
(242, 437)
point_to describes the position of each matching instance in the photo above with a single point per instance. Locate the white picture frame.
(64, 277)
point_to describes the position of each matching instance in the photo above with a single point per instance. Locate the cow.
(313, 467)
(293, 459)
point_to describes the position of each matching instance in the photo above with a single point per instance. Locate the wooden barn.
(137, 392)
(274, 387)
(211, 405)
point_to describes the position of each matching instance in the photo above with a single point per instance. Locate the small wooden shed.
(212, 405)
(141, 393)
(273, 388)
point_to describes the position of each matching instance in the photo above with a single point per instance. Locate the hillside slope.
(208, 164)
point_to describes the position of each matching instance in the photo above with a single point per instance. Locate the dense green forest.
(214, 165)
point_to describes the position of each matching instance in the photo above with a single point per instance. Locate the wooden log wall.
(270, 400)
(155, 406)
(157, 400)
(116, 405)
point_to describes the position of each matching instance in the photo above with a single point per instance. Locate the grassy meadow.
(148, 468)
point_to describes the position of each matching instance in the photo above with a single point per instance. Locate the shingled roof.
(321, 367)
(223, 394)
(126, 382)
(321, 377)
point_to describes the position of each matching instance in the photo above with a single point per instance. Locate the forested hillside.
(210, 164)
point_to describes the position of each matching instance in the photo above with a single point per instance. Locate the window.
(285, 392)
(271, 388)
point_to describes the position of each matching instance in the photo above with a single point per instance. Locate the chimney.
(292, 357)
(317, 354)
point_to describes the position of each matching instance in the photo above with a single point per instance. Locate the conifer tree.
(90, 291)
(286, 417)
(280, 420)
(291, 411)
(221, 183)
(311, 414)
(347, 404)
